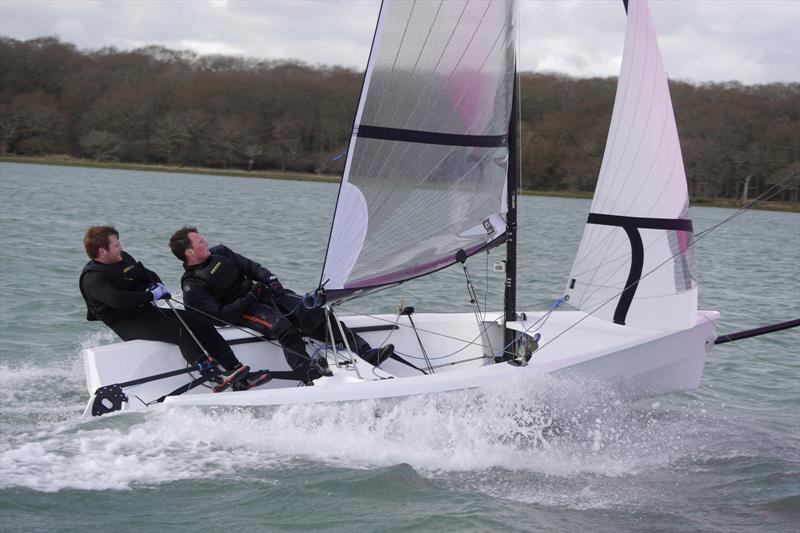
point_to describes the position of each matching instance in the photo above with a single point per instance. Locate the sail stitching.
(347, 291)
(621, 99)
(626, 104)
(457, 140)
(399, 47)
(447, 232)
(388, 158)
(676, 158)
(637, 154)
(658, 89)
(419, 56)
(478, 71)
(435, 68)
(644, 125)
(379, 105)
(492, 141)
(380, 158)
(351, 145)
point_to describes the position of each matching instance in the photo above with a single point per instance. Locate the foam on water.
(35, 389)
(126, 451)
(559, 429)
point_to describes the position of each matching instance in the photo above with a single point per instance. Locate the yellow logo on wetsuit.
(216, 267)
(125, 270)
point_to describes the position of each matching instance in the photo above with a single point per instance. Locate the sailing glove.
(159, 291)
(275, 286)
(260, 291)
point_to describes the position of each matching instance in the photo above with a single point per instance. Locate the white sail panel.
(426, 170)
(635, 265)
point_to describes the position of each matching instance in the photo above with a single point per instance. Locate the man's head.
(102, 244)
(189, 246)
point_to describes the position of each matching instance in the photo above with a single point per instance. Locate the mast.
(511, 222)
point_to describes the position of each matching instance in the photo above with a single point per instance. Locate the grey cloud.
(755, 41)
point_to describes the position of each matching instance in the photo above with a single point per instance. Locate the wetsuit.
(222, 286)
(117, 294)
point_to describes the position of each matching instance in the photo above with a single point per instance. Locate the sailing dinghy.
(430, 180)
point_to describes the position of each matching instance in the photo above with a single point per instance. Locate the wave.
(566, 429)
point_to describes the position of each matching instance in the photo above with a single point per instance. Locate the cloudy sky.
(753, 41)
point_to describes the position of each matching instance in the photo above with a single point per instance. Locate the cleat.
(237, 374)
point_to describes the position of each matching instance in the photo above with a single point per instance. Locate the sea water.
(546, 454)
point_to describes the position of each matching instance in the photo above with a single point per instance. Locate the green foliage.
(155, 105)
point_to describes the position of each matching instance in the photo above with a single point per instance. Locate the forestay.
(425, 174)
(639, 218)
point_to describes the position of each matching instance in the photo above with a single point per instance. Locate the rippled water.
(547, 454)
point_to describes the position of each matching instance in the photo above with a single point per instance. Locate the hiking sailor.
(224, 284)
(122, 293)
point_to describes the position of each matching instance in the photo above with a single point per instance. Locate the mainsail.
(635, 265)
(425, 175)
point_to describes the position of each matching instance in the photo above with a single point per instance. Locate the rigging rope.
(766, 195)
(769, 193)
(243, 329)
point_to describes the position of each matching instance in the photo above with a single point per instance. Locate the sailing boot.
(376, 356)
(231, 376)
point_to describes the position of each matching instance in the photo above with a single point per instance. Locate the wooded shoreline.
(331, 178)
(156, 106)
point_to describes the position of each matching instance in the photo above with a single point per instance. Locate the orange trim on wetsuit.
(257, 320)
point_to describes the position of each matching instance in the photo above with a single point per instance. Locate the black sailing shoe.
(229, 378)
(253, 379)
(376, 356)
(321, 364)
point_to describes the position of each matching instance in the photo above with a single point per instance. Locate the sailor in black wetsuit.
(224, 284)
(122, 293)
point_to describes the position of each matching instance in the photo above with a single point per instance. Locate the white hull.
(638, 362)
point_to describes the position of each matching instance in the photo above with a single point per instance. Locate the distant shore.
(330, 178)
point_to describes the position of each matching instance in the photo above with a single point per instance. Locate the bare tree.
(8, 128)
(102, 145)
(251, 151)
(285, 139)
(173, 135)
(40, 126)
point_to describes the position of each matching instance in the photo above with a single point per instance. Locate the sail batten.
(426, 170)
(430, 137)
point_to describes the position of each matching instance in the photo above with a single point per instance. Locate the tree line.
(174, 107)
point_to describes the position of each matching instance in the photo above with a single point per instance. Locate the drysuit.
(234, 288)
(117, 294)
